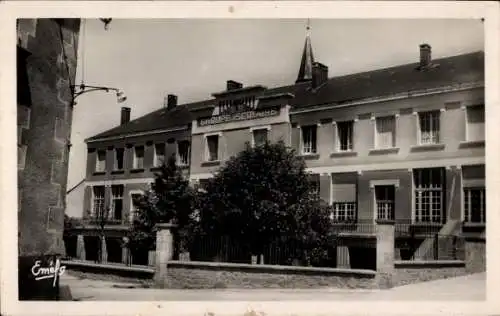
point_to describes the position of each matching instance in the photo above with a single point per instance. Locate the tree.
(264, 195)
(100, 218)
(169, 200)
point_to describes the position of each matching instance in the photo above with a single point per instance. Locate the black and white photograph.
(301, 158)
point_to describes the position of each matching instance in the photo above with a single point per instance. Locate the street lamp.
(78, 90)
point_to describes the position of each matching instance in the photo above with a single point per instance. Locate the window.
(212, 149)
(159, 155)
(183, 152)
(97, 200)
(344, 206)
(475, 123)
(309, 139)
(385, 132)
(475, 205)
(345, 133)
(429, 127)
(384, 200)
(429, 195)
(133, 207)
(118, 158)
(139, 157)
(116, 201)
(100, 165)
(343, 212)
(314, 184)
(259, 136)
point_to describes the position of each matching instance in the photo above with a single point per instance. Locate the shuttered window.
(475, 123)
(309, 139)
(118, 161)
(344, 206)
(159, 157)
(97, 200)
(139, 157)
(386, 132)
(429, 127)
(117, 201)
(212, 148)
(474, 194)
(345, 132)
(100, 165)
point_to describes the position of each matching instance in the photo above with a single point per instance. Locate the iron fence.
(226, 249)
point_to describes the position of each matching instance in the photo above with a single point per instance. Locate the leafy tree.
(169, 200)
(261, 196)
(100, 218)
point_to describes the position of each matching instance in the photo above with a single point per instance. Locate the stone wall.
(409, 272)
(207, 275)
(475, 254)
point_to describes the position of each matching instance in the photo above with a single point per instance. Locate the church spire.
(306, 64)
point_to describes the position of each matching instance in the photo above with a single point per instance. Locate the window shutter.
(473, 176)
(344, 192)
(475, 123)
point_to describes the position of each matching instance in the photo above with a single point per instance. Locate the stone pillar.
(104, 250)
(385, 253)
(125, 251)
(475, 254)
(164, 252)
(80, 247)
(125, 255)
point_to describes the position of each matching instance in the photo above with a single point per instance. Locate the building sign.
(241, 116)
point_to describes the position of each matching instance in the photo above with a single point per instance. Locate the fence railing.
(226, 249)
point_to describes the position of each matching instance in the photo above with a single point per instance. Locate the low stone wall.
(206, 275)
(110, 269)
(408, 272)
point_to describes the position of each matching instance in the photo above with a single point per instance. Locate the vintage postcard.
(249, 158)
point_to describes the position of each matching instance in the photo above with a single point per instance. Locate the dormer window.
(235, 105)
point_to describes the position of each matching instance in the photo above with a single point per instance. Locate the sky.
(193, 58)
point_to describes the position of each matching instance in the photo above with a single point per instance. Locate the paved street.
(471, 287)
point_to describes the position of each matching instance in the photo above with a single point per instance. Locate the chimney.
(425, 55)
(319, 74)
(233, 85)
(125, 115)
(171, 101)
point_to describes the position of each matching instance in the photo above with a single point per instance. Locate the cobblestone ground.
(471, 287)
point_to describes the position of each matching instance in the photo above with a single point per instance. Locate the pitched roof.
(460, 69)
(448, 71)
(163, 118)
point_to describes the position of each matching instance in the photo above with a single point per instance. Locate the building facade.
(404, 143)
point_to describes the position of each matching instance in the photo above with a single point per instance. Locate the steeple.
(306, 64)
